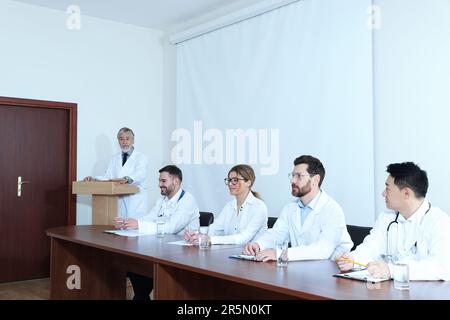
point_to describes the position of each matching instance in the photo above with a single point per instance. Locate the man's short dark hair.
(408, 174)
(314, 166)
(173, 171)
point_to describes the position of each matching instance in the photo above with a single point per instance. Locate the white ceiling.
(157, 14)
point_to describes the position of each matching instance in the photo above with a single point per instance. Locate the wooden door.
(37, 145)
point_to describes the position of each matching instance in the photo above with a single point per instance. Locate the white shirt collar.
(174, 199)
(313, 203)
(417, 216)
(249, 200)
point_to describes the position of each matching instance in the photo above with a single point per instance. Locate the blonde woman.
(243, 218)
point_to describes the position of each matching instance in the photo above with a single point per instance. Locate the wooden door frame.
(72, 170)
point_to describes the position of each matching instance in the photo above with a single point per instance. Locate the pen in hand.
(354, 262)
(186, 235)
(191, 236)
(119, 223)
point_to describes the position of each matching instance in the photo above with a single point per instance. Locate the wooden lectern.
(104, 198)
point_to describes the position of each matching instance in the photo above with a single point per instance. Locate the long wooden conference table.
(181, 272)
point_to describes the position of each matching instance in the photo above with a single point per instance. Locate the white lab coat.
(422, 241)
(136, 167)
(323, 235)
(178, 213)
(240, 228)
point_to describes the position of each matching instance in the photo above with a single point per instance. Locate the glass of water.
(401, 275)
(204, 241)
(160, 227)
(282, 253)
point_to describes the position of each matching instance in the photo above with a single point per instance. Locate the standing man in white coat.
(415, 232)
(314, 223)
(128, 166)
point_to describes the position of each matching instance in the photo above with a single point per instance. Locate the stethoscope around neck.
(389, 255)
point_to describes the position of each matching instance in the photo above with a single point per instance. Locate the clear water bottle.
(160, 227)
(203, 239)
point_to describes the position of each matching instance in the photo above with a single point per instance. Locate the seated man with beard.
(313, 223)
(176, 206)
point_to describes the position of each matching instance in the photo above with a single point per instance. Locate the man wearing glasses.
(314, 223)
(414, 233)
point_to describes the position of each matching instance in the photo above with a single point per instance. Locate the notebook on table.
(361, 275)
(244, 257)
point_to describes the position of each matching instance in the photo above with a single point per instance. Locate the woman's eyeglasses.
(233, 181)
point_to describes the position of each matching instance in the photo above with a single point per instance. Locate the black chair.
(206, 218)
(271, 221)
(357, 233)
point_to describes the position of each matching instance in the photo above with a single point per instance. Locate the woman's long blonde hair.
(246, 172)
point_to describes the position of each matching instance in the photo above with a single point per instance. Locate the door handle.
(19, 185)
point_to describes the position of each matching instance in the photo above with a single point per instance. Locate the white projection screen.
(292, 81)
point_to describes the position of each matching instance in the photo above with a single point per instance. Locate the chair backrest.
(357, 233)
(206, 218)
(271, 221)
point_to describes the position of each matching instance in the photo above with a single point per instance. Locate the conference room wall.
(410, 99)
(412, 92)
(301, 69)
(112, 70)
